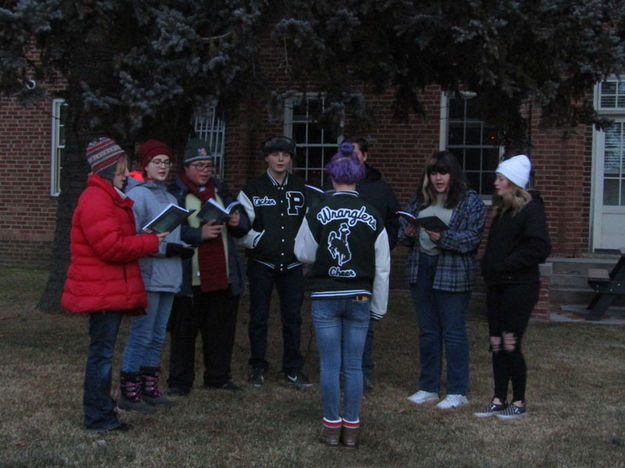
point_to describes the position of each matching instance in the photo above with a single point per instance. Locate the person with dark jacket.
(212, 279)
(104, 278)
(275, 203)
(377, 192)
(517, 243)
(345, 240)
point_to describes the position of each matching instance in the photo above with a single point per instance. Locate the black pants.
(509, 307)
(290, 286)
(214, 316)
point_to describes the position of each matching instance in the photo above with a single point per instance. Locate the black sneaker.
(229, 386)
(298, 379)
(512, 412)
(257, 377)
(490, 409)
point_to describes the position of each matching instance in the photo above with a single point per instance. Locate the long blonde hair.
(513, 200)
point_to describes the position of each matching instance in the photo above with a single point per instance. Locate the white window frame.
(607, 111)
(328, 148)
(57, 146)
(444, 131)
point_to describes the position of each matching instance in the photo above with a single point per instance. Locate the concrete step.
(581, 265)
(569, 281)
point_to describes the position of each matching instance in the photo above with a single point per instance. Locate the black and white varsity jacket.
(276, 212)
(345, 239)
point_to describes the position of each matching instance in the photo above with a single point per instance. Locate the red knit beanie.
(150, 149)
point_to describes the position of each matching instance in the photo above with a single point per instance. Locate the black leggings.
(509, 307)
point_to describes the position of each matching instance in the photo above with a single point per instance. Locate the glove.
(178, 250)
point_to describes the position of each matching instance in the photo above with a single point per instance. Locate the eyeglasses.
(202, 167)
(161, 162)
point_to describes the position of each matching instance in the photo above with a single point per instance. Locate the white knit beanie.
(516, 170)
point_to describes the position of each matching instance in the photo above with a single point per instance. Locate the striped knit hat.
(103, 153)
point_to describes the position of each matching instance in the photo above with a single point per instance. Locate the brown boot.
(349, 434)
(330, 433)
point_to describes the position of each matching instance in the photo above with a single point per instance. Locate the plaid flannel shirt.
(457, 265)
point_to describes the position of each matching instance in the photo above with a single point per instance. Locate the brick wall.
(27, 211)
(399, 151)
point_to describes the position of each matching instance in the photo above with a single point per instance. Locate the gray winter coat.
(160, 273)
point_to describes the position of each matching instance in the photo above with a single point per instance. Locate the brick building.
(581, 176)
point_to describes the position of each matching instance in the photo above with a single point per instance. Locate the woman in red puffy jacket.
(104, 279)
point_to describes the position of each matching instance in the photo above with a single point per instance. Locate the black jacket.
(517, 245)
(378, 193)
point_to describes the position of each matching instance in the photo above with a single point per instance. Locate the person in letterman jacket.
(275, 203)
(347, 243)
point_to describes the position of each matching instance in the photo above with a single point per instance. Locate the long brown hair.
(447, 162)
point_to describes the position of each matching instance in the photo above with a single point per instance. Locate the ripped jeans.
(509, 307)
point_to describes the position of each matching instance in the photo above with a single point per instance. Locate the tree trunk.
(73, 181)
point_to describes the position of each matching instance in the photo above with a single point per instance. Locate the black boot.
(150, 392)
(130, 395)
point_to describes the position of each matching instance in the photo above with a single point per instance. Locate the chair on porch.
(607, 287)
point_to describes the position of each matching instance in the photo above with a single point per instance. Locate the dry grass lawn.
(576, 398)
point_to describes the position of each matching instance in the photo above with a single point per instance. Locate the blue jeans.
(98, 406)
(290, 286)
(341, 330)
(147, 333)
(442, 318)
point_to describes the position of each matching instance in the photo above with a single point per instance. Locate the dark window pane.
(491, 159)
(315, 106)
(472, 111)
(299, 133)
(612, 162)
(329, 138)
(608, 87)
(300, 157)
(456, 108)
(314, 158)
(459, 154)
(610, 191)
(489, 136)
(456, 134)
(314, 133)
(474, 134)
(473, 159)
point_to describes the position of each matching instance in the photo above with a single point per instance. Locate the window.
(471, 140)
(212, 129)
(614, 165)
(315, 144)
(612, 95)
(57, 146)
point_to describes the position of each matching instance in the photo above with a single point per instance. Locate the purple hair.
(345, 167)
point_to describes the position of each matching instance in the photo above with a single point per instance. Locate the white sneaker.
(422, 396)
(452, 401)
